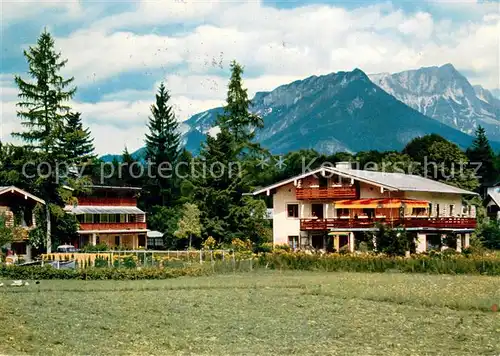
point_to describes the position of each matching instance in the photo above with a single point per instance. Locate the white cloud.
(276, 46)
(281, 42)
(15, 10)
(420, 26)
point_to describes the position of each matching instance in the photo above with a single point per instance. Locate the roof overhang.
(14, 190)
(91, 209)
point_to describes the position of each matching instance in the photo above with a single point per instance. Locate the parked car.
(66, 248)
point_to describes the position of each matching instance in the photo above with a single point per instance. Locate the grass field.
(263, 313)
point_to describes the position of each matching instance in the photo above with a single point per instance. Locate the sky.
(119, 51)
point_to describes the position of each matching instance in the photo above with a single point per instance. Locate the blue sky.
(118, 51)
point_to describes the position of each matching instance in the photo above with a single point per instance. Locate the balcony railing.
(347, 192)
(435, 223)
(113, 226)
(107, 201)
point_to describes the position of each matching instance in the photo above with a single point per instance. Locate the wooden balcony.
(113, 226)
(107, 201)
(431, 223)
(346, 192)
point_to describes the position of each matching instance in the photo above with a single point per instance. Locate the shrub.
(49, 272)
(451, 264)
(100, 262)
(344, 250)
(282, 247)
(449, 251)
(264, 247)
(97, 248)
(209, 243)
(240, 245)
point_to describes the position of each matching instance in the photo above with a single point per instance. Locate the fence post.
(234, 262)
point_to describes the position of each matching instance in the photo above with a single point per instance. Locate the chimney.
(343, 165)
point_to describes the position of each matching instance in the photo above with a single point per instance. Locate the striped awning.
(380, 203)
(103, 210)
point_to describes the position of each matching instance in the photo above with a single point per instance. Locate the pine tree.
(240, 122)
(481, 152)
(225, 213)
(131, 171)
(42, 106)
(163, 146)
(43, 109)
(76, 143)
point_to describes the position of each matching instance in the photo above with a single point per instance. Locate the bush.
(97, 248)
(451, 264)
(49, 272)
(450, 251)
(282, 247)
(264, 247)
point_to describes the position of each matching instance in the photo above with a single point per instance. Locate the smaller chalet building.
(493, 202)
(336, 206)
(110, 215)
(18, 206)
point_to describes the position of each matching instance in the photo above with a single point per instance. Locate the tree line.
(189, 211)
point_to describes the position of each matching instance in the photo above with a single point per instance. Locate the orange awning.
(380, 203)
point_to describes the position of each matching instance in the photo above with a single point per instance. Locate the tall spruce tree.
(42, 110)
(240, 122)
(225, 213)
(163, 146)
(481, 153)
(75, 142)
(43, 107)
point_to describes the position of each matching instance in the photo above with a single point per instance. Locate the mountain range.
(444, 94)
(352, 111)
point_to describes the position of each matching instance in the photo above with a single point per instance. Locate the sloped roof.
(406, 182)
(389, 181)
(102, 209)
(13, 189)
(494, 194)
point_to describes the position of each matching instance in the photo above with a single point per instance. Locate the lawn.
(260, 313)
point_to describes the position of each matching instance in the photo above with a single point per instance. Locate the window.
(418, 211)
(104, 218)
(369, 212)
(123, 218)
(117, 240)
(437, 210)
(88, 218)
(342, 212)
(293, 241)
(430, 209)
(112, 218)
(292, 210)
(452, 210)
(132, 218)
(80, 218)
(97, 218)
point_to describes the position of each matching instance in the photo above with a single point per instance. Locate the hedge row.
(452, 264)
(49, 272)
(488, 265)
